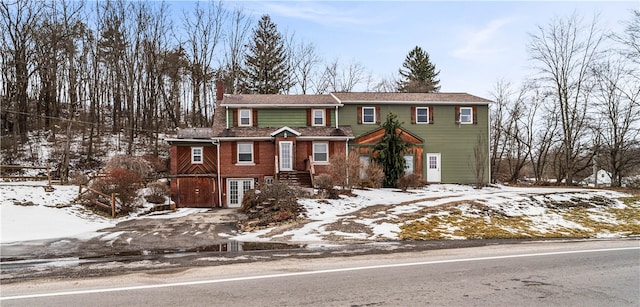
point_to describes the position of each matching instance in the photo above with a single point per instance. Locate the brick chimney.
(219, 90)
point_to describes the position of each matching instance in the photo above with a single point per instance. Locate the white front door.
(286, 156)
(433, 167)
(235, 191)
(408, 164)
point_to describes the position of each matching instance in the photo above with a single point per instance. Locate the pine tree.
(266, 64)
(418, 74)
(389, 152)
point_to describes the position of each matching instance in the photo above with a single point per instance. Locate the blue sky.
(472, 43)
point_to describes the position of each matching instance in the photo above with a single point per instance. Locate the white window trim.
(326, 145)
(238, 154)
(193, 155)
(417, 118)
(470, 116)
(374, 115)
(240, 118)
(313, 117)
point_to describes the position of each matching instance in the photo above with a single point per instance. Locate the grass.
(592, 217)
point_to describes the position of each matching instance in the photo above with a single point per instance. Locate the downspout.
(226, 116)
(337, 117)
(489, 143)
(346, 155)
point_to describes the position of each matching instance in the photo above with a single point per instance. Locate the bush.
(124, 183)
(157, 192)
(409, 181)
(137, 165)
(324, 183)
(373, 176)
(345, 170)
(269, 204)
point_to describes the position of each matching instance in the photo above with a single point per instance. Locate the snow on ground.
(49, 215)
(376, 215)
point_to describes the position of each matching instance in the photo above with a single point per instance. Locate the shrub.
(270, 203)
(324, 183)
(124, 183)
(157, 192)
(373, 176)
(345, 170)
(137, 165)
(409, 181)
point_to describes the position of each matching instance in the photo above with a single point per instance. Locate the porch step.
(297, 178)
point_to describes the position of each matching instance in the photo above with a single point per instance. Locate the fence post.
(48, 174)
(113, 205)
(79, 189)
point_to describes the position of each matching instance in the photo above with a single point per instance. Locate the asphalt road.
(591, 273)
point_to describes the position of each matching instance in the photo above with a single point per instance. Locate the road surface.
(590, 273)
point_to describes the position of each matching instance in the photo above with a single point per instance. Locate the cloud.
(481, 43)
(320, 14)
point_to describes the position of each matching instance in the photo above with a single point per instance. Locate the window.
(245, 152)
(318, 117)
(368, 115)
(466, 115)
(245, 117)
(422, 115)
(320, 152)
(196, 155)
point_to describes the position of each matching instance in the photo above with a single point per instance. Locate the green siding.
(454, 142)
(283, 117)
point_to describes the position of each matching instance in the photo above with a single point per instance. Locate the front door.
(236, 189)
(286, 156)
(433, 167)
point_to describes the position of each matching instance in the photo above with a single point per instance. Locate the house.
(258, 138)
(601, 178)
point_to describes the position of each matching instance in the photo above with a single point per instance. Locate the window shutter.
(254, 117)
(234, 152)
(256, 152)
(327, 117)
(457, 114)
(359, 115)
(309, 117)
(309, 149)
(377, 115)
(475, 115)
(413, 115)
(235, 117)
(430, 115)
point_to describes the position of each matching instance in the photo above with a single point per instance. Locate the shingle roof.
(409, 97)
(265, 100)
(265, 132)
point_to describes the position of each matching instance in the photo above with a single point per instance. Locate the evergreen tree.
(266, 68)
(418, 74)
(389, 152)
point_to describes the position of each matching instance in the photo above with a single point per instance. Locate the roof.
(195, 133)
(409, 98)
(267, 100)
(343, 132)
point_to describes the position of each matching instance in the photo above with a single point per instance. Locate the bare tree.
(563, 51)
(203, 28)
(617, 117)
(239, 26)
(304, 60)
(19, 19)
(338, 78)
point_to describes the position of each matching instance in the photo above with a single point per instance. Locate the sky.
(473, 43)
